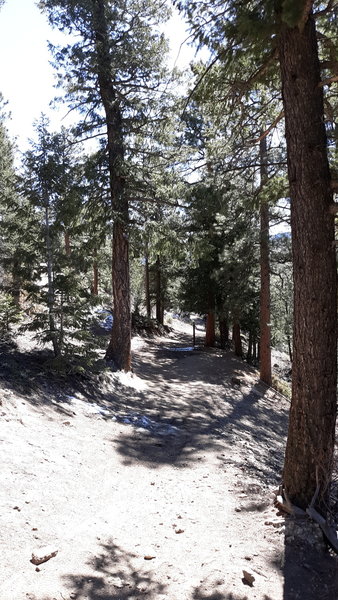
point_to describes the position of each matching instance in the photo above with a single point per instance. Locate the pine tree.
(113, 76)
(258, 34)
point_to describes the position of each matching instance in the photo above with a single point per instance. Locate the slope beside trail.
(159, 485)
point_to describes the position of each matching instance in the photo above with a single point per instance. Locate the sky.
(26, 76)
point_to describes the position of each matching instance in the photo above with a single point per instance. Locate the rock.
(41, 555)
(248, 578)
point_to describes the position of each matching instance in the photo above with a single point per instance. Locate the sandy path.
(138, 514)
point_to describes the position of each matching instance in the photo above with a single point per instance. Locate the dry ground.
(157, 486)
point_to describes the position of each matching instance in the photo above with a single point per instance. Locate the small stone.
(248, 578)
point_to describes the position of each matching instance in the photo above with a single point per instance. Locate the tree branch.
(329, 7)
(328, 81)
(272, 126)
(200, 79)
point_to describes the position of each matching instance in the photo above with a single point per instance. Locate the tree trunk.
(147, 286)
(250, 345)
(265, 330)
(223, 332)
(254, 349)
(310, 443)
(236, 339)
(119, 349)
(50, 283)
(159, 303)
(210, 335)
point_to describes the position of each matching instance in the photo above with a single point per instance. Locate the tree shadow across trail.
(309, 570)
(113, 576)
(195, 394)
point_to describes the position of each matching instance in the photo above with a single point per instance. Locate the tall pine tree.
(114, 77)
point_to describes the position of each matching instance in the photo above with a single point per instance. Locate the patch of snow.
(130, 380)
(140, 421)
(186, 349)
(137, 342)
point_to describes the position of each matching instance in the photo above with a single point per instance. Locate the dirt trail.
(158, 487)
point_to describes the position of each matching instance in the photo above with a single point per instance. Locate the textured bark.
(210, 335)
(119, 346)
(310, 443)
(120, 342)
(236, 339)
(265, 329)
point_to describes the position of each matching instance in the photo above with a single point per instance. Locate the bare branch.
(328, 81)
(200, 79)
(272, 126)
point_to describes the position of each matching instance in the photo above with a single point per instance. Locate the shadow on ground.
(195, 394)
(191, 393)
(309, 570)
(114, 576)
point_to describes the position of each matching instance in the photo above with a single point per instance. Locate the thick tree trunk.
(119, 349)
(310, 443)
(265, 330)
(236, 339)
(147, 286)
(210, 335)
(119, 346)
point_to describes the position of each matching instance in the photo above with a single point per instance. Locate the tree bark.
(119, 349)
(236, 339)
(210, 335)
(265, 328)
(147, 286)
(159, 301)
(250, 345)
(50, 295)
(310, 443)
(223, 332)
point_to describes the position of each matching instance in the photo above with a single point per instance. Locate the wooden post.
(193, 333)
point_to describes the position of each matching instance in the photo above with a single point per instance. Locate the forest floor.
(156, 485)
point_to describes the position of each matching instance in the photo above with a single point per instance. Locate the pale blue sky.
(27, 78)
